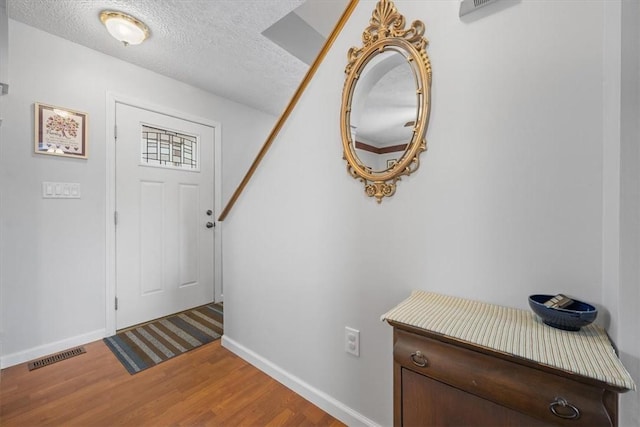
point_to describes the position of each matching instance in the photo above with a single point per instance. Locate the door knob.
(210, 224)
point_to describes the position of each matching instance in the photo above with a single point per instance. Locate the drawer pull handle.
(419, 359)
(563, 409)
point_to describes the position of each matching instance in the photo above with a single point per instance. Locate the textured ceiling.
(215, 45)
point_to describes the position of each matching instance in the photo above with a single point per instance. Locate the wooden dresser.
(459, 363)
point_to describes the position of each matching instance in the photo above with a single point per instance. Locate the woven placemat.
(587, 352)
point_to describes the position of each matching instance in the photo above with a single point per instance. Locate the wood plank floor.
(206, 386)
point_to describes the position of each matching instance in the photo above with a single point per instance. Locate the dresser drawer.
(521, 388)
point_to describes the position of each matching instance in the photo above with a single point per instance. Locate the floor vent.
(50, 360)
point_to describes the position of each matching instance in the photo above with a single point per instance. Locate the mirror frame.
(387, 30)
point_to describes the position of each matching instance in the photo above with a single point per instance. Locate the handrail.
(292, 103)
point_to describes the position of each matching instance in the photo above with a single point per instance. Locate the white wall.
(629, 295)
(52, 269)
(508, 201)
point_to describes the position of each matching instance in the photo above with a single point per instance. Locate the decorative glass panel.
(168, 149)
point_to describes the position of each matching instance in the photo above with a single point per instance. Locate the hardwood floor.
(206, 386)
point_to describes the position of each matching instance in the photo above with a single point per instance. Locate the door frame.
(110, 228)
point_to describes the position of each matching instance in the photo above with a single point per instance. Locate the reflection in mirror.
(386, 102)
(384, 106)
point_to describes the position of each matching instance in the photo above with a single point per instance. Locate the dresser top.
(587, 352)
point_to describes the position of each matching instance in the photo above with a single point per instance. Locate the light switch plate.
(60, 190)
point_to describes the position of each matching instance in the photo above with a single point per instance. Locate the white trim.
(319, 398)
(110, 203)
(47, 349)
(112, 100)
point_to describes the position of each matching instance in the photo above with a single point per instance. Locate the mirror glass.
(384, 109)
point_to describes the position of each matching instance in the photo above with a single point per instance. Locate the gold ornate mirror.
(386, 102)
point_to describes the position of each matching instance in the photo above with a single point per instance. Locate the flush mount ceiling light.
(124, 28)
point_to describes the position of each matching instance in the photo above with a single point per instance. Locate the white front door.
(164, 203)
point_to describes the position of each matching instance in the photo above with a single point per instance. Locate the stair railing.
(292, 103)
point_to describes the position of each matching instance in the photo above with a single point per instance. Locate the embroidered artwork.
(60, 131)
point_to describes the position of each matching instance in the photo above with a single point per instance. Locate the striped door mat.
(147, 345)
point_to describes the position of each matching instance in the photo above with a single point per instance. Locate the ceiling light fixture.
(124, 28)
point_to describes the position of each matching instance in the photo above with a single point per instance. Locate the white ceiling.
(215, 45)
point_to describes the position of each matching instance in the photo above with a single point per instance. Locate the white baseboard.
(327, 403)
(47, 349)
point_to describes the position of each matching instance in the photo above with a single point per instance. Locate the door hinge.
(115, 217)
(116, 303)
(115, 131)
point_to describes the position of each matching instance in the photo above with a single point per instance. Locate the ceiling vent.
(468, 6)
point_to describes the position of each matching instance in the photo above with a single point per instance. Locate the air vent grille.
(468, 6)
(49, 360)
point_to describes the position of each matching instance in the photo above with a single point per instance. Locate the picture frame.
(60, 131)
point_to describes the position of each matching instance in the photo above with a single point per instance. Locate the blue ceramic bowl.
(570, 318)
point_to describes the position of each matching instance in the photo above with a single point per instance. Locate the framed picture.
(60, 131)
(391, 163)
